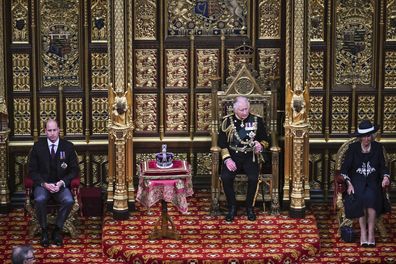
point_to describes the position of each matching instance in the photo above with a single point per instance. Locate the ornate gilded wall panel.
(100, 71)
(389, 123)
(317, 13)
(232, 61)
(203, 119)
(366, 108)
(74, 116)
(99, 165)
(146, 68)
(100, 115)
(390, 69)
(339, 114)
(207, 66)
(269, 19)
(22, 117)
(354, 42)
(47, 110)
(204, 163)
(269, 67)
(20, 21)
(145, 19)
(316, 69)
(176, 117)
(99, 19)
(177, 68)
(316, 114)
(210, 17)
(391, 20)
(146, 113)
(59, 33)
(20, 72)
(316, 179)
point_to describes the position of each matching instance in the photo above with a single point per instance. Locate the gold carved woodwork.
(146, 113)
(316, 162)
(316, 69)
(99, 11)
(390, 69)
(120, 106)
(270, 19)
(204, 163)
(99, 166)
(208, 66)
(74, 116)
(189, 17)
(100, 71)
(366, 108)
(20, 72)
(22, 117)
(177, 68)
(146, 68)
(145, 24)
(20, 21)
(269, 67)
(176, 106)
(2, 57)
(59, 36)
(118, 44)
(317, 23)
(354, 42)
(340, 114)
(232, 61)
(316, 114)
(99, 115)
(47, 110)
(203, 118)
(20, 167)
(389, 123)
(391, 20)
(4, 190)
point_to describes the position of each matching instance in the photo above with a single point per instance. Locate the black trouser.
(244, 163)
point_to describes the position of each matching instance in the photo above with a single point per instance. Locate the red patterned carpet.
(210, 239)
(87, 248)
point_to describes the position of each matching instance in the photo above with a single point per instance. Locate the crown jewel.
(164, 159)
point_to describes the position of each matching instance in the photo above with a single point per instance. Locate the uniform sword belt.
(242, 149)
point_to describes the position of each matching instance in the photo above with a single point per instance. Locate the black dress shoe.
(231, 214)
(250, 214)
(44, 241)
(57, 237)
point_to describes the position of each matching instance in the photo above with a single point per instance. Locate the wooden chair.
(340, 187)
(52, 207)
(244, 83)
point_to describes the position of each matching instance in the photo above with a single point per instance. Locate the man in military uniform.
(242, 138)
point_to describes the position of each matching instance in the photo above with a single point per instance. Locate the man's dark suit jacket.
(39, 162)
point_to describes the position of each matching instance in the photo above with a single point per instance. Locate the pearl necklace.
(366, 150)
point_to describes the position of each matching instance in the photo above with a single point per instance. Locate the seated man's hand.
(231, 166)
(257, 147)
(350, 188)
(385, 182)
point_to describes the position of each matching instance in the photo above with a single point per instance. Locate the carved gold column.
(296, 124)
(4, 130)
(120, 191)
(215, 149)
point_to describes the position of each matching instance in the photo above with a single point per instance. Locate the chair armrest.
(28, 182)
(340, 182)
(75, 182)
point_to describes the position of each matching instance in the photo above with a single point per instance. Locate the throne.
(52, 207)
(340, 187)
(263, 103)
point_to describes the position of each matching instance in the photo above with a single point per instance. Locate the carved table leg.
(161, 228)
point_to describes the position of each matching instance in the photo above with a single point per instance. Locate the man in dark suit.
(242, 138)
(52, 165)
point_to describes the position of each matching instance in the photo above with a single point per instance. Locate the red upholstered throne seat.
(52, 207)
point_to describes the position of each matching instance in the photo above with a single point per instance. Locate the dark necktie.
(53, 151)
